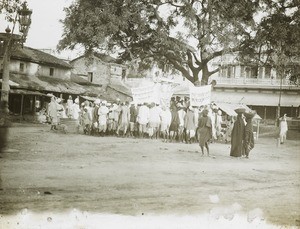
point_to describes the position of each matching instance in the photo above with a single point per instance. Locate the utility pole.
(11, 41)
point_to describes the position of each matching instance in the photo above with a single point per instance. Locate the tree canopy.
(278, 33)
(186, 34)
(9, 8)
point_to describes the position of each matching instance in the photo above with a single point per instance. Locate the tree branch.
(179, 67)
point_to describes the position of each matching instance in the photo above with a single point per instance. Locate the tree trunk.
(205, 75)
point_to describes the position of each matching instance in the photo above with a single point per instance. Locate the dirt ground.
(43, 171)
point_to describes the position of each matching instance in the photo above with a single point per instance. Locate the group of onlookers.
(179, 121)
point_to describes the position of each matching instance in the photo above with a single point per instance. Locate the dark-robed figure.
(249, 137)
(238, 135)
(173, 130)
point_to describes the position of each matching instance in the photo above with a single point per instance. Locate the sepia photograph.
(152, 114)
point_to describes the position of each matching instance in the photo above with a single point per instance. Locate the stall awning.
(89, 98)
(11, 83)
(26, 92)
(229, 108)
(40, 83)
(256, 98)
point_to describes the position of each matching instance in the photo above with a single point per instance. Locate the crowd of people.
(177, 122)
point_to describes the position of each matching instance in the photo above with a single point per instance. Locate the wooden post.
(257, 129)
(21, 112)
(265, 113)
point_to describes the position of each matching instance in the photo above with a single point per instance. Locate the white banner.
(143, 94)
(163, 93)
(157, 93)
(200, 96)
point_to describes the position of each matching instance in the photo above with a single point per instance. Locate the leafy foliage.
(9, 8)
(277, 40)
(186, 34)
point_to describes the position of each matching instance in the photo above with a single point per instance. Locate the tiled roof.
(103, 57)
(37, 56)
(120, 87)
(40, 83)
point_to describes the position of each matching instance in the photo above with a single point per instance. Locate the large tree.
(277, 39)
(186, 34)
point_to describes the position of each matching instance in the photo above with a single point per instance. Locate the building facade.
(259, 87)
(98, 69)
(33, 74)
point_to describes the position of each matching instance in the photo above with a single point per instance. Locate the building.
(100, 70)
(259, 87)
(34, 74)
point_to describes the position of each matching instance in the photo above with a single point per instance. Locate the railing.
(252, 81)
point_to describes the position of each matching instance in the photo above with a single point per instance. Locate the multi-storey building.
(259, 87)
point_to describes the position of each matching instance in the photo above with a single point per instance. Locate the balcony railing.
(254, 82)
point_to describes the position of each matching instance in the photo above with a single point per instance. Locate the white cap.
(76, 100)
(58, 100)
(97, 101)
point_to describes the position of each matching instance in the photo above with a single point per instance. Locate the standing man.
(124, 118)
(238, 134)
(154, 120)
(132, 122)
(76, 113)
(283, 128)
(95, 117)
(204, 131)
(143, 119)
(102, 112)
(69, 106)
(174, 126)
(52, 113)
(190, 125)
(181, 115)
(165, 117)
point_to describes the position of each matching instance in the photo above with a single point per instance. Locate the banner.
(200, 96)
(143, 94)
(163, 94)
(157, 93)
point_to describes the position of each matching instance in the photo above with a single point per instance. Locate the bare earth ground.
(43, 171)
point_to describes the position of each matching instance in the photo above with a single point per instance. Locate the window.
(123, 74)
(90, 77)
(51, 73)
(254, 72)
(22, 67)
(229, 71)
(267, 72)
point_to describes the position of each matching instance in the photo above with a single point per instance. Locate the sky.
(46, 30)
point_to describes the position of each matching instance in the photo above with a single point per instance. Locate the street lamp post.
(11, 41)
